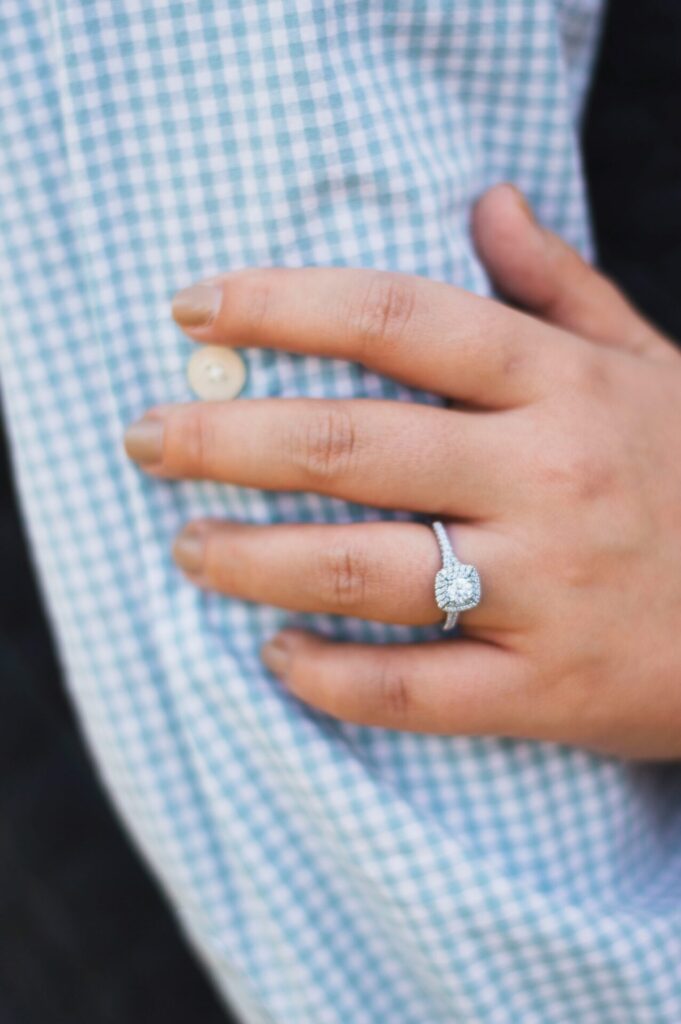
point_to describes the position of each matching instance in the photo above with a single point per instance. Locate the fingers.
(464, 687)
(425, 333)
(387, 454)
(536, 268)
(379, 571)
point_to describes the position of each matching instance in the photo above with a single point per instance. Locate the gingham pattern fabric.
(327, 874)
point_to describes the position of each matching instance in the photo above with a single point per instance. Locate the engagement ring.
(457, 586)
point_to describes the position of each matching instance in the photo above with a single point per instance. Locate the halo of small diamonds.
(457, 588)
(457, 585)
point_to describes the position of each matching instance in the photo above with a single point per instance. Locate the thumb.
(535, 268)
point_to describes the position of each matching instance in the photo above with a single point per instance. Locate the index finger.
(424, 333)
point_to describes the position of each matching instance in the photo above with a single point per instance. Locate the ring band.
(457, 586)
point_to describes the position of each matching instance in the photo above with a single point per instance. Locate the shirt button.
(216, 374)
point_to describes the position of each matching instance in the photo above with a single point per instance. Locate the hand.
(558, 472)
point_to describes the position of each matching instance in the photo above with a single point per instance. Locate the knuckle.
(322, 683)
(498, 347)
(193, 446)
(583, 470)
(581, 684)
(324, 446)
(567, 688)
(225, 564)
(589, 476)
(509, 354)
(592, 373)
(345, 577)
(513, 359)
(381, 695)
(393, 693)
(385, 310)
(573, 570)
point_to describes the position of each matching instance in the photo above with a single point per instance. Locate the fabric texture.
(84, 935)
(632, 142)
(326, 873)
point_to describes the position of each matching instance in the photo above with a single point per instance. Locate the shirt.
(324, 872)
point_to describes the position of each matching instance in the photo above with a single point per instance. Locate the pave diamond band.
(457, 586)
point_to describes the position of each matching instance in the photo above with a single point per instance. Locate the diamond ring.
(457, 586)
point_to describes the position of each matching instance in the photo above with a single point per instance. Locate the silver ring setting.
(457, 586)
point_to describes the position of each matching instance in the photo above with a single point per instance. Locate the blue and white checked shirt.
(326, 873)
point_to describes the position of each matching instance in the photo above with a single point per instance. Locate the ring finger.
(378, 571)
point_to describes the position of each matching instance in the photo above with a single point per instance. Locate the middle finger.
(385, 454)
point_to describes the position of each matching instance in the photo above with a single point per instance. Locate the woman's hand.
(558, 472)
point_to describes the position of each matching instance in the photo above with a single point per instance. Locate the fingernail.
(144, 440)
(197, 305)
(189, 549)
(523, 204)
(277, 655)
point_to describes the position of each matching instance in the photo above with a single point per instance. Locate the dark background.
(84, 937)
(632, 148)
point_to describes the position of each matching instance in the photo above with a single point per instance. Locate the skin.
(557, 470)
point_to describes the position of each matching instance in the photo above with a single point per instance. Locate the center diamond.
(460, 590)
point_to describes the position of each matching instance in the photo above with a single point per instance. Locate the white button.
(216, 374)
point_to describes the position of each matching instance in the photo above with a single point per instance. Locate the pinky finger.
(460, 687)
